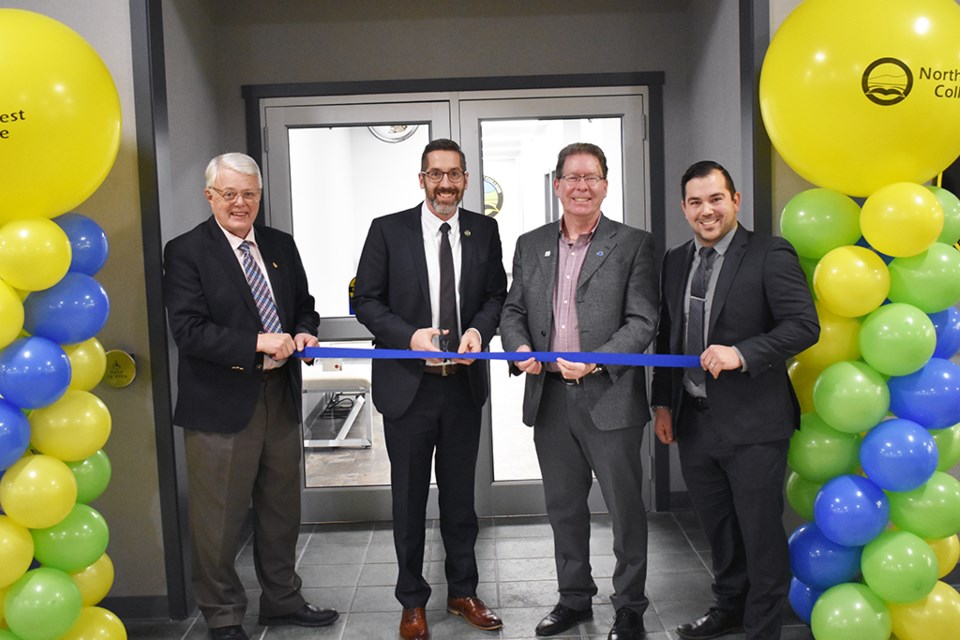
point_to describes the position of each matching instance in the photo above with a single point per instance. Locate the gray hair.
(239, 162)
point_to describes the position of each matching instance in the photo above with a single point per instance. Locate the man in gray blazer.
(586, 284)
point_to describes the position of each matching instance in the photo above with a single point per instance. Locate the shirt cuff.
(743, 361)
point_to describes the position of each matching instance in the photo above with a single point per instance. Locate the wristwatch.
(597, 370)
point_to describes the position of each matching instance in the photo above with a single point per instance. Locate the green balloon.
(75, 542)
(932, 511)
(899, 567)
(929, 281)
(851, 396)
(848, 611)
(951, 215)
(42, 604)
(816, 221)
(801, 494)
(818, 452)
(93, 476)
(897, 339)
(809, 265)
(948, 446)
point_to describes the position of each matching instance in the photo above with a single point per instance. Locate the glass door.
(517, 139)
(332, 164)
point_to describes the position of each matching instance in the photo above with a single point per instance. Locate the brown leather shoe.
(474, 612)
(413, 624)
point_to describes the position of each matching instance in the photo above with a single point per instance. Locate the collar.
(589, 234)
(721, 245)
(431, 223)
(235, 241)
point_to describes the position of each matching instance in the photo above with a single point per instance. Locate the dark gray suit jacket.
(616, 309)
(392, 298)
(763, 307)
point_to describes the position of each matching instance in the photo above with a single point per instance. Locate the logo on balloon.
(887, 81)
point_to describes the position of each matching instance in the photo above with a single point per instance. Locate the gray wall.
(130, 504)
(212, 52)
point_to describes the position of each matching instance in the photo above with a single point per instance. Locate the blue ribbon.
(629, 359)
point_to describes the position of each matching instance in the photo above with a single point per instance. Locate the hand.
(717, 358)
(276, 345)
(469, 343)
(530, 365)
(303, 340)
(574, 370)
(422, 340)
(663, 425)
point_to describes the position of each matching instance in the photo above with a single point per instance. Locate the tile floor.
(352, 568)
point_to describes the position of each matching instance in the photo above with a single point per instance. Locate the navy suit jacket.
(392, 298)
(762, 306)
(214, 321)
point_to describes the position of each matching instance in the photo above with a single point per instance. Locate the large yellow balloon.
(11, 314)
(947, 551)
(94, 581)
(803, 377)
(901, 219)
(96, 623)
(88, 363)
(16, 551)
(34, 254)
(851, 281)
(863, 93)
(59, 117)
(38, 491)
(839, 340)
(73, 428)
(936, 616)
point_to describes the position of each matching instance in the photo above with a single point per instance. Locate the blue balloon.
(819, 562)
(71, 311)
(930, 397)
(14, 434)
(802, 598)
(34, 372)
(88, 242)
(862, 242)
(899, 455)
(851, 510)
(947, 325)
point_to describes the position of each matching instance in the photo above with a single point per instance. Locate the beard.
(444, 208)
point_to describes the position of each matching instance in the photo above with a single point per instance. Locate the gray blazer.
(617, 303)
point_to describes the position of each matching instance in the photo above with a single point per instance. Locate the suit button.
(259, 367)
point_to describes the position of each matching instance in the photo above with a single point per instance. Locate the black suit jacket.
(763, 307)
(214, 321)
(392, 298)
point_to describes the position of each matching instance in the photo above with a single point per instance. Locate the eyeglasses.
(435, 175)
(230, 195)
(572, 180)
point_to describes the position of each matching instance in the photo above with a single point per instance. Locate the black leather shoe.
(561, 619)
(628, 625)
(306, 616)
(234, 632)
(715, 623)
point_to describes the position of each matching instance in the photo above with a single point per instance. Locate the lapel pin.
(274, 265)
(546, 254)
(467, 233)
(600, 253)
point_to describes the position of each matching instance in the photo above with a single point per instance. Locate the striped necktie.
(261, 292)
(695, 319)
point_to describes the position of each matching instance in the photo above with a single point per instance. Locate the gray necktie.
(696, 320)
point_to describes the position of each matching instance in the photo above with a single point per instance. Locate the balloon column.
(862, 98)
(59, 136)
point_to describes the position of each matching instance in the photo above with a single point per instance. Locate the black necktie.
(448, 293)
(696, 319)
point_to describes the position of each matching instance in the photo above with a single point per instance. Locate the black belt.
(553, 375)
(444, 369)
(699, 404)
